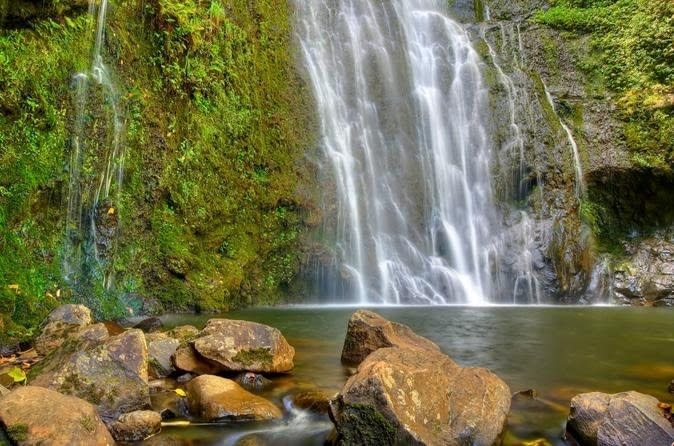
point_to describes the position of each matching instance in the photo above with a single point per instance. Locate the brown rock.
(136, 426)
(628, 418)
(313, 400)
(183, 333)
(245, 346)
(160, 349)
(188, 360)
(112, 375)
(368, 331)
(60, 324)
(420, 396)
(38, 416)
(212, 398)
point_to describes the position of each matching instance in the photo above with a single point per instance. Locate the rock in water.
(212, 398)
(112, 375)
(34, 415)
(422, 397)
(368, 331)
(160, 349)
(628, 418)
(187, 359)
(136, 426)
(243, 346)
(150, 325)
(252, 381)
(60, 324)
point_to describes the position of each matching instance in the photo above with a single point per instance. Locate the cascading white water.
(95, 172)
(403, 113)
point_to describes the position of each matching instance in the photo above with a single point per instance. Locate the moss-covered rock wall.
(217, 129)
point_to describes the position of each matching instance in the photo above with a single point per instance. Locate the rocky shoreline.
(87, 382)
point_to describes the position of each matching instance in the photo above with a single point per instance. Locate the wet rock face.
(621, 419)
(367, 332)
(61, 323)
(35, 415)
(212, 398)
(22, 13)
(648, 277)
(160, 350)
(112, 375)
(245, 346)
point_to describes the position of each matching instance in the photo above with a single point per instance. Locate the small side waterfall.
(96, 166)
(404, 114)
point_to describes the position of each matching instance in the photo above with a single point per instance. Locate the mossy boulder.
(212, 398)
(421, 397)
(61, 323)
(38, 416)
(368, 331)
(245, 346)
(113, 374)
(628, 418)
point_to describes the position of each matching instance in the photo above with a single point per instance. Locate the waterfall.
(95, 166)
(406, 148)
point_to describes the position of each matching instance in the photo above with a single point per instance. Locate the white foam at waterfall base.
(404, 117)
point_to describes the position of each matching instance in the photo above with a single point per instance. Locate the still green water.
(557, 351)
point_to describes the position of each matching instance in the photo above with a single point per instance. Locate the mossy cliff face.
(217, 124)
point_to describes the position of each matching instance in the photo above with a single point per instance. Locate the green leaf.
(17, 374)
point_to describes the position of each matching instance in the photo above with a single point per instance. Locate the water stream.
(96, 166)
(405, 122)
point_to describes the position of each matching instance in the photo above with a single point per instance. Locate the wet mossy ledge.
(218, 128)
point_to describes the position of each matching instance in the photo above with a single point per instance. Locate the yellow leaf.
(17, 375)
(111, 211)
(14, 287)
(180, 392)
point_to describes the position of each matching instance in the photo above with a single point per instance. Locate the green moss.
(363, 425)
(88, 424)
(254, 356)
(218, 123)
(18, 432)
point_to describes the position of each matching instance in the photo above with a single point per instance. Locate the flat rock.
(421, 397)
(59, 325)
(628, 418)
(38, 416)
(136, 426)
(212, 398)
(113, 375)
(368, 331)
(245, 346)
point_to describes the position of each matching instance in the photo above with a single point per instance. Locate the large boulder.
(245, 346)
(628, 418)
(368, 331)
(39, 416)
(61, 323)
(420, 396)
(187, 359)
(113, 375)
(212, 398)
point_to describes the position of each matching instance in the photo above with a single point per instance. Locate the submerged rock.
(39, 416)
(136, 426)
(61, 323)
(628, 418)
(420, 396)
(245, 346)
(252, 381)
(212, 398)
(150, 325)
(368, 331)
(113, 375)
